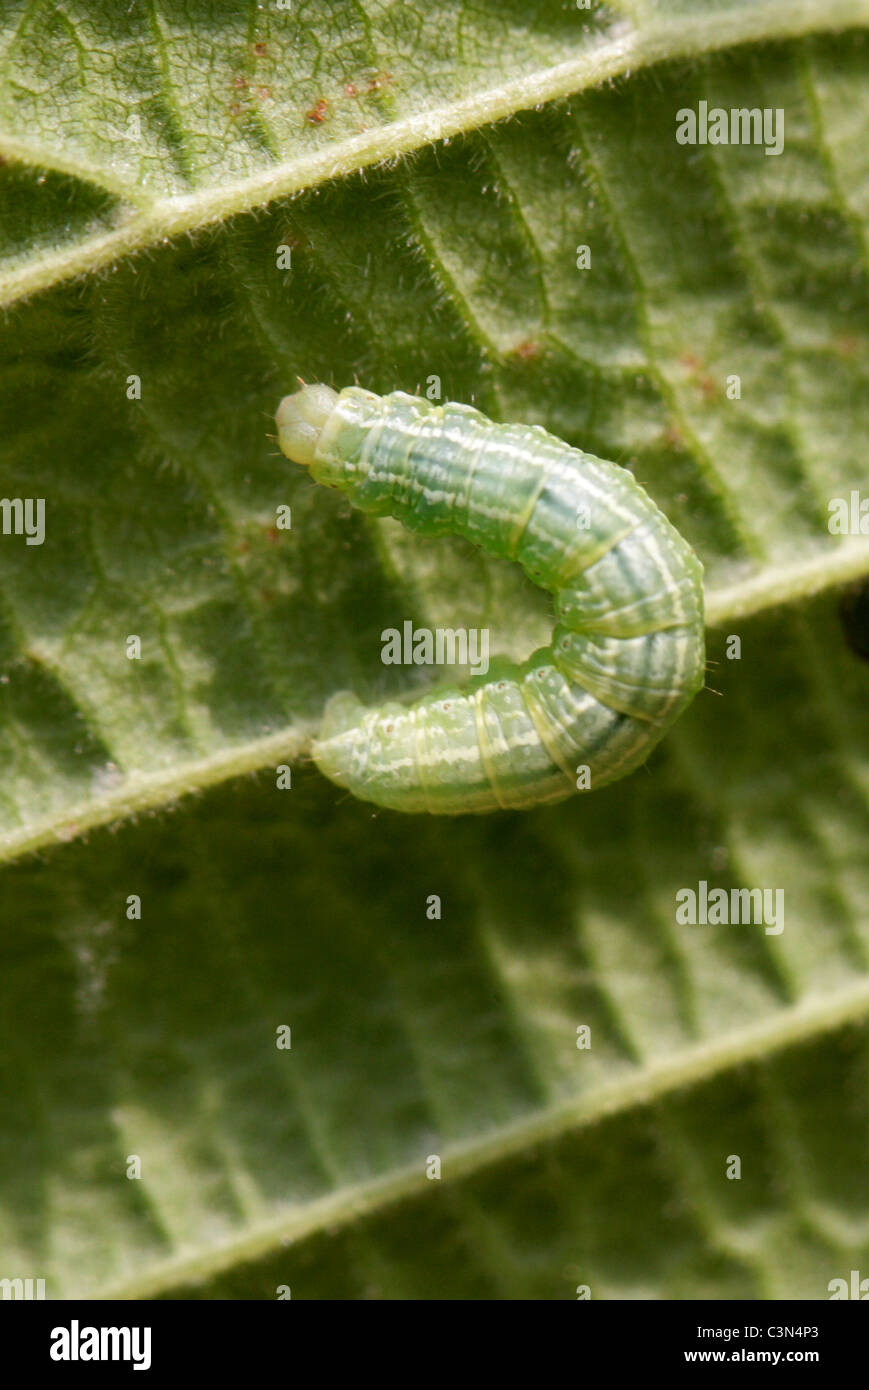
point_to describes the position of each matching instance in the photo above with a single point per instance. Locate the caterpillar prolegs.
(627, 652)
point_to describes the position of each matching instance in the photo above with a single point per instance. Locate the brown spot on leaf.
(318, 112)
(379, 81)
(696, 368)
(707, 387)
(528, 351)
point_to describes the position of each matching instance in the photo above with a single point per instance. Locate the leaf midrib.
(149, 791)
(788, 1027)
(623, 51)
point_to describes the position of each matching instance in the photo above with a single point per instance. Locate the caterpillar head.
(300, 419)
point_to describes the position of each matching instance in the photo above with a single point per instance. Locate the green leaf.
(153, 161)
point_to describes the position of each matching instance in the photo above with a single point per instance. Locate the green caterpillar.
(627, 653)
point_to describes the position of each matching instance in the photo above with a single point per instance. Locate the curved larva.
(627, 652)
